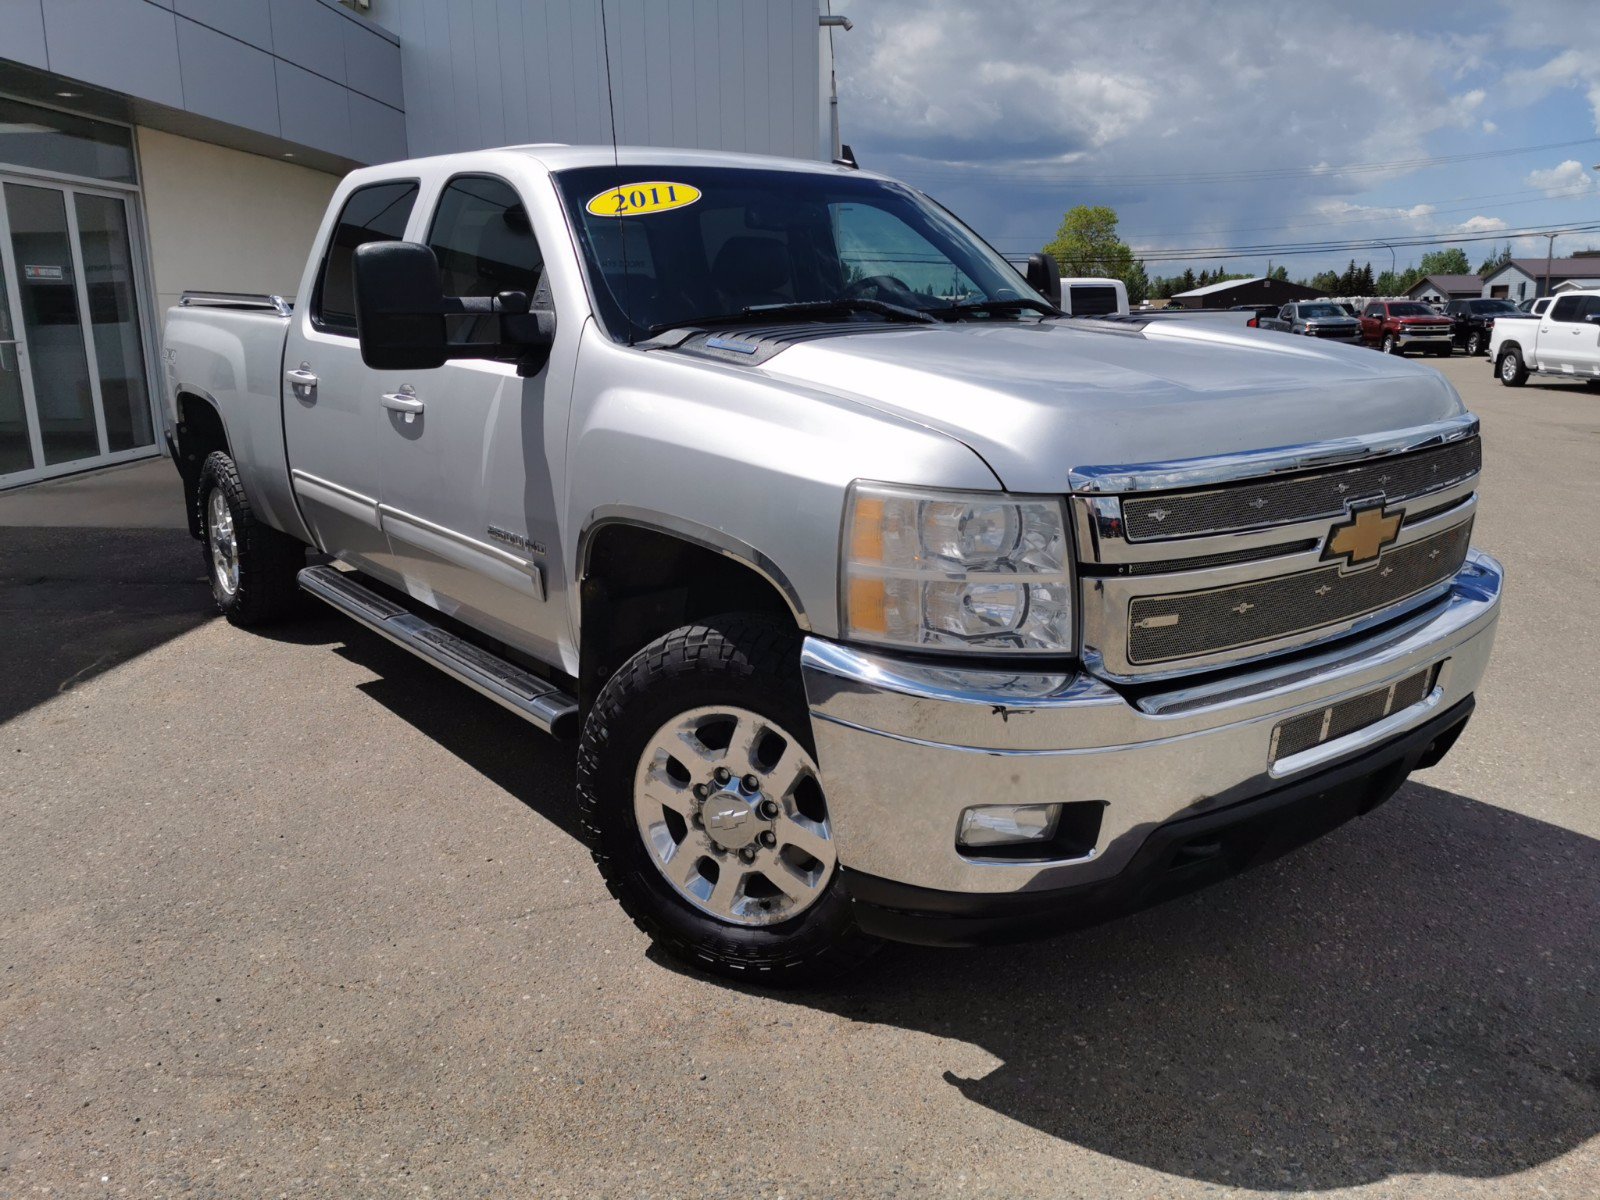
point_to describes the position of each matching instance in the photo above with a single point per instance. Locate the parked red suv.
(1401, 325)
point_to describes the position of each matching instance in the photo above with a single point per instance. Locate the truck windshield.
(668, 245)
(1321, 311)
(1411, 310)
(1490, 307)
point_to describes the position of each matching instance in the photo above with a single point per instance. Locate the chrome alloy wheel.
(223, 542)
(1508, 367)
(730, 808)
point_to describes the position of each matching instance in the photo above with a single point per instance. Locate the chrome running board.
(507, 684)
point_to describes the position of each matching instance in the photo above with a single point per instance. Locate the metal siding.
(377, 132)
(23, 21)
(248, 20)
(125, 45)
(372, 65)
(310, 36)
(313, 111)
(736, 75)
(226, 79)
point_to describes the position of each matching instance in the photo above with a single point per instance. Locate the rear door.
(1565, 338)
(468, 496)
(1584, 337)
(333, 424)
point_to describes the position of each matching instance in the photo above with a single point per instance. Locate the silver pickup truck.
(884, 601)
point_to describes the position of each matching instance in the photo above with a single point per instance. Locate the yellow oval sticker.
(641, 199)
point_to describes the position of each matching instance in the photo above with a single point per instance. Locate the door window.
(485, 245)
(48, 283)
(114, 321)
(1568, 308)
(377, 213)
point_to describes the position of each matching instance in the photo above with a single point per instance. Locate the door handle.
(302, 381)
(404, 401)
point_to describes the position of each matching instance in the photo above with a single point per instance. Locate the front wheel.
(704, 809)
(1513, 371)
(1391, 344)
(252, 566)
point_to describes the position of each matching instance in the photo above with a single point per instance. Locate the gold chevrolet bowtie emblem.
(1363, 537)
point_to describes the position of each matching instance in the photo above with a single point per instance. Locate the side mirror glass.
(1044, 277)
(399, 307)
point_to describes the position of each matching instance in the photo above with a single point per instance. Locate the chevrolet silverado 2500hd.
(886, 601)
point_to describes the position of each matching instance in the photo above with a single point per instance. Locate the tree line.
(1087, 244)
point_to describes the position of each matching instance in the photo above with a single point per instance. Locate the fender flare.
(716, 540)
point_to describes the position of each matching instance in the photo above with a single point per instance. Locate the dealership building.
(149, 147)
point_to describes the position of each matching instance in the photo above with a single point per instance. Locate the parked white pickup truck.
(1563, 340)
(879, 613)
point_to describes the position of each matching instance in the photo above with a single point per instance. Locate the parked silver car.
(1315, 318)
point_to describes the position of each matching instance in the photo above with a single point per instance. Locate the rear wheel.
(1474, 344)
(251, 566)
(704, 809)
(1512, 370)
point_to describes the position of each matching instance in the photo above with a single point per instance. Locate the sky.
(1010, 112)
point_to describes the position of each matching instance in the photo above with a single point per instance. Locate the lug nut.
(721, 775)
(700, 791)
(751, 783)
(768, 838)
(769, 809)
(697, 822)
(748, 854)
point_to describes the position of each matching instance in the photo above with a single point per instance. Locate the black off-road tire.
(1510, 369)
(268, 559)
(1592, 383)
(743, 660)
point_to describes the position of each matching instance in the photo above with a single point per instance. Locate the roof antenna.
(616, 161)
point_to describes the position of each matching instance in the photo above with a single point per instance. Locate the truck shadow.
(1417, 993)
(502, 747)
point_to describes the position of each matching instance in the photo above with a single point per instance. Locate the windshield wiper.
(843, 305)
(1013, 304)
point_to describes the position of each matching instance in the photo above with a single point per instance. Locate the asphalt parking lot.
(295, 915)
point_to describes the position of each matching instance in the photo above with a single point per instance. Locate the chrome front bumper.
(906, 745)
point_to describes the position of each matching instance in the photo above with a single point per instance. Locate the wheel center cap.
(730, 820)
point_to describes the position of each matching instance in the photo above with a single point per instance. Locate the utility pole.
(1549, 250)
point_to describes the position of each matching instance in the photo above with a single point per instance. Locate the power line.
(1283, 249)
(1562, 194)
(1062, 174)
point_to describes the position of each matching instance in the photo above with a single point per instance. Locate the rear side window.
(1568, 308)
(377, 213)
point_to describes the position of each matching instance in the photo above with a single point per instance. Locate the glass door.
(74, 380)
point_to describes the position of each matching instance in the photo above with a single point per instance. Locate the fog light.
(1007, 824)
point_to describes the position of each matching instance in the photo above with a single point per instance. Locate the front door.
(333, 423)
(74, 380)
(467, 493)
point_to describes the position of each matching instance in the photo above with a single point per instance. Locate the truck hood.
(1037, 399)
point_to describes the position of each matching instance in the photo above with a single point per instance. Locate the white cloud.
(1571, 178)
(1490, 127)
(1481, 225)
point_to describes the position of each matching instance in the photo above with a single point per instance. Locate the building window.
(46, 140)
(1522, 290)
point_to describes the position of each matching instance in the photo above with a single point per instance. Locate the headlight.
(979, 571)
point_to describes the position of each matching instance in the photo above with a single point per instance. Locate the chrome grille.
(1262, 504)
(1311, 729)
(1168, 628)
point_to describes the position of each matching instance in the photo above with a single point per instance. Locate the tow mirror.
(399, 307)
(1044, 277)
